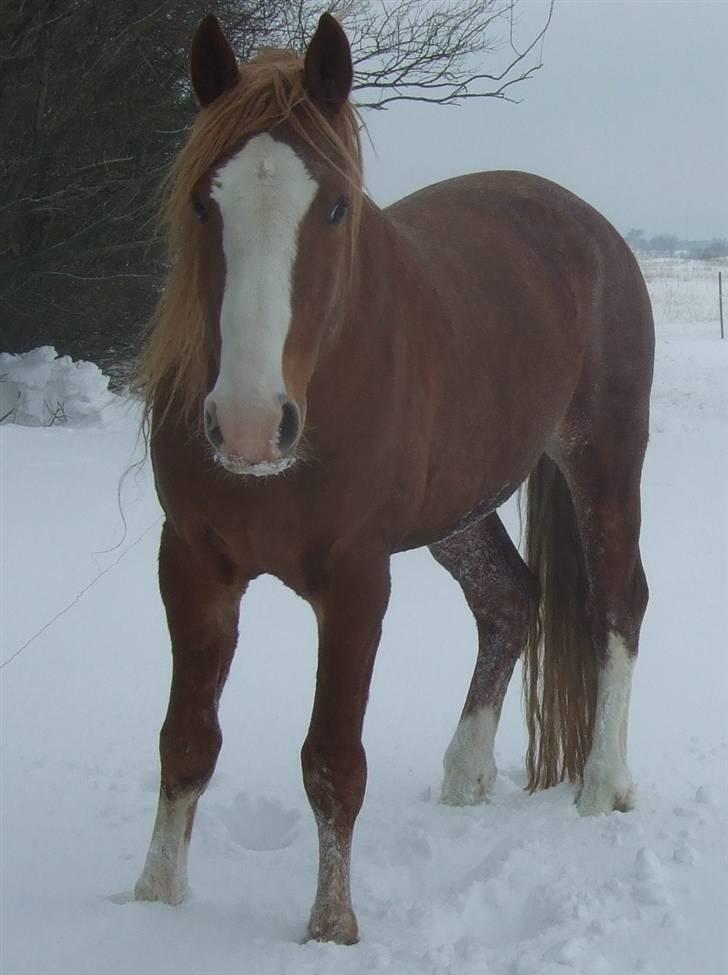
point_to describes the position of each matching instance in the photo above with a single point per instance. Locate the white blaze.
(263, 194)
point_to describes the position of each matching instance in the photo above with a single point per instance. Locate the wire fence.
(77, 598)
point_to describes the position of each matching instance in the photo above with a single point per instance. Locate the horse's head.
(273, 242)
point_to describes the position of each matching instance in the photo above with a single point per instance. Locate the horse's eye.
(200, 210)
(338, 211)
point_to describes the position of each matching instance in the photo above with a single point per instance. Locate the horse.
(328, 383)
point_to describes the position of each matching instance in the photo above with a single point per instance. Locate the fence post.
(720, 301)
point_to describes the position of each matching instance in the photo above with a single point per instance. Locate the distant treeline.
(668, 245)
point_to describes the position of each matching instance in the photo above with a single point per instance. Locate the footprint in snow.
(258, 823)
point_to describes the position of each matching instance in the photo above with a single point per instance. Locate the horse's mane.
(176, 355)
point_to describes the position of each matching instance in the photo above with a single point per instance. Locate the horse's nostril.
(212, 428)
(289, 427)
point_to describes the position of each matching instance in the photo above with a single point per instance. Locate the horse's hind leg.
(202, 614)
(501, 592)
(605, 486)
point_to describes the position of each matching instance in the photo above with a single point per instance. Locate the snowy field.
(518, 886)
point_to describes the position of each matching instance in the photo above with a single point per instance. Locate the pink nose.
(255, 437)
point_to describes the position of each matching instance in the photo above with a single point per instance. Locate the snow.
(41, 388)
(520, 885)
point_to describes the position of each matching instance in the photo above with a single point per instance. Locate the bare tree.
(414, 50)
(94, 102)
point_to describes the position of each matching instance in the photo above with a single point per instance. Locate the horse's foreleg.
(350, 613)
(501, 592)
(202, 615)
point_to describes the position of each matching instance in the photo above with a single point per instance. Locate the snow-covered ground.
(518, 886)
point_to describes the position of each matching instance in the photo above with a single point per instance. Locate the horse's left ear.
(328, 70)
(213, 66)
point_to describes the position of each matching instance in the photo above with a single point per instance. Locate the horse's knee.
(189, 752)
(334, 778)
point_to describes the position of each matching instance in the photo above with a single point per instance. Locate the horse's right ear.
(213, 67)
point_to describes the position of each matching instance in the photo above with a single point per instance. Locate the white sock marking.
(164, 877)
(607, 780)
(469, 762)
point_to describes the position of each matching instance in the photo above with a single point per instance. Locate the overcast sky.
(630, 111)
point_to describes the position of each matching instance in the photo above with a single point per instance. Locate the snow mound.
(41, 388)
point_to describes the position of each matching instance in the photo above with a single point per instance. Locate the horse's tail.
(559, 671)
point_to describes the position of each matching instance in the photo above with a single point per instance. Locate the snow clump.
(41, 388)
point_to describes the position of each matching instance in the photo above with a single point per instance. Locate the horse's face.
(274, 216)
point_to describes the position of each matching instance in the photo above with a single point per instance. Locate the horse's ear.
(328, 69)
(213, 68)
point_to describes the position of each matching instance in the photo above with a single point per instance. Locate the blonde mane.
(174, 366)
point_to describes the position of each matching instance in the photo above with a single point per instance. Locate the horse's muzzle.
(258, 442)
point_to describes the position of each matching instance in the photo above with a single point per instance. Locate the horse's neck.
(383, 347)
(391, 290)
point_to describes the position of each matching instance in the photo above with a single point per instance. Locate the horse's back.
(515, 221)
(506, 200)
(532, 250)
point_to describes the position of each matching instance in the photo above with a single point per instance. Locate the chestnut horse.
(329, 383)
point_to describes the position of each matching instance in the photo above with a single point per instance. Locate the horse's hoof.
(159, 889)
(601, 797)
(341, 929)
(461, 789)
